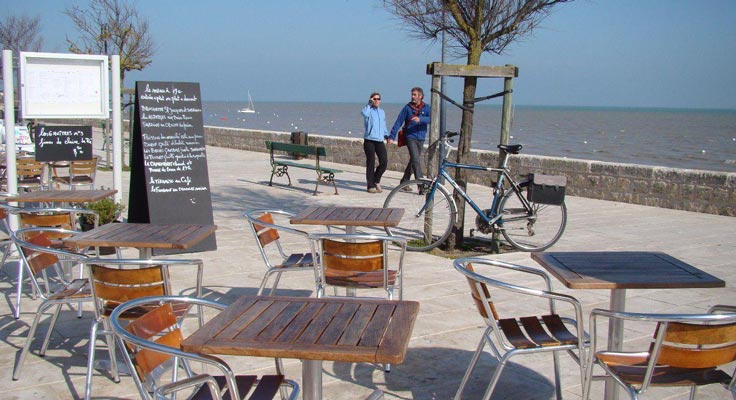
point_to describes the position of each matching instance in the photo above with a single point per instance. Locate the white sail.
(251, 108)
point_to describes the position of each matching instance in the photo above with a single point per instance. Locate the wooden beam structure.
(480, 71)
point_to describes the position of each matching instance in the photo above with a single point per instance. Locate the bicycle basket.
(546, 189)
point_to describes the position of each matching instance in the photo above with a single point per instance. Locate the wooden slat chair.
(29, 173)
(115, 281)
(81, 173)
(268, 239)
(685, 350)
(358, 261)
(154, 338)
(51, 217)
(39, 258)
(512, 335)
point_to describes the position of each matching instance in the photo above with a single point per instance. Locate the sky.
(610, 53)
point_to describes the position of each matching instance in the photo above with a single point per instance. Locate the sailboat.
(250, 109)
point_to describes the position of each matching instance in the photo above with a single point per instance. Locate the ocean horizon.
(702, 139)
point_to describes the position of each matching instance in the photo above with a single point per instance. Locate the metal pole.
(117, 135)
(9, 116)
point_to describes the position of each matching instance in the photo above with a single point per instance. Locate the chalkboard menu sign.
(169, 181)
(62, 143)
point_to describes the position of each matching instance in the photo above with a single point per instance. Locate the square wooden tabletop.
(61, 196)
(336, 329)
(152, 236)
(349, 216)
(624, 270)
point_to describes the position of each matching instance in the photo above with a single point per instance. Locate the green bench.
(280, 167)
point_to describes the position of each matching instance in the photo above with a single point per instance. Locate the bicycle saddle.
(511, 148)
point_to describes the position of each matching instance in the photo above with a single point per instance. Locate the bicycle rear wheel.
(531, 231)
(411, 196)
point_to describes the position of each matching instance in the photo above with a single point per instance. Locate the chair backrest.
(47, 220)
(341, 255)
(113, 286)
(37, 259)
(357, 261)
(686, 345)
(28, 167)
(83, 167)
(481, 295)
(161, 324)
(265, 234)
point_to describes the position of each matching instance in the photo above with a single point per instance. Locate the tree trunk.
(457, 236)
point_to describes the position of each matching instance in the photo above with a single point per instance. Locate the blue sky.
(620, 53)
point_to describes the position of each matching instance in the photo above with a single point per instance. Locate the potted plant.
(107, 211)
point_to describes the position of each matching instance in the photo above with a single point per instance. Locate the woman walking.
(374, 119)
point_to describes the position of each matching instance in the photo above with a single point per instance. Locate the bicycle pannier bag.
(546, 189)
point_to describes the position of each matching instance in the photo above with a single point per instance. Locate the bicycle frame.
(498, 190)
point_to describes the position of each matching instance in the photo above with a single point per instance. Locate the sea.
(679, 138)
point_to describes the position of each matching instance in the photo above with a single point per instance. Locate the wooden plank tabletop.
(624, 270)
(349, 216)
(154, 236)
(336, 329)
(61, 196)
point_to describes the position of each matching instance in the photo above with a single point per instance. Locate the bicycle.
(431, 211)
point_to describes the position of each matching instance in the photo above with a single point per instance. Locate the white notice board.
(64, 85)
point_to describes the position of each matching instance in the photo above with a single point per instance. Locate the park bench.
(280, 167)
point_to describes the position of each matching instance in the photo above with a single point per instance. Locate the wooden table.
(621, 270)
(145, 237)
(61, 196)
(351, 217)
(313, 330)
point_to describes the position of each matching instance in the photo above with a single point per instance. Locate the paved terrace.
(448, 328)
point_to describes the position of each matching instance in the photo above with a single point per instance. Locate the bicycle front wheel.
(531, 230)
(424, 228)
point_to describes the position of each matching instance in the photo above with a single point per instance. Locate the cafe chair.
(5, 240)
(153, 339)
(358, 261)
(29, 173)
(81, 173)
(66, 219)
(115, 281)
(684, 350)
(514, 335)
(40, 259)
(268, 239)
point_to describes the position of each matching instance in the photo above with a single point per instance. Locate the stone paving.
(448, 328)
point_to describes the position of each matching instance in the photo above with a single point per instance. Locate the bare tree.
(474, 27)
(20, 34)
(112, 27)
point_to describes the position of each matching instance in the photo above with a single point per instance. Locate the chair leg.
(496, 375)
(558, 384)
(29, 339)
(263, 282)
(18, 289)
(110, 339)
(52, 324)
(90, 359)
(471, 367)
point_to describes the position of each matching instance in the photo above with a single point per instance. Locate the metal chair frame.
(99, 303)
(266, 232)
(717, 316)
(50, 298)
(124, 336)
(50, 211)
(388, 284)
(503, 349)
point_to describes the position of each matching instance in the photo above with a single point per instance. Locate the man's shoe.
(372, 190)
(406, 189)
(379, 189)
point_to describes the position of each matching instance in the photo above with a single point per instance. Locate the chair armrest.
(163, 391)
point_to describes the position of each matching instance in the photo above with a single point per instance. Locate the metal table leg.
(312, 379)
(615, 336)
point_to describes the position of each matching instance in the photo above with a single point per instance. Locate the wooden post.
(508, 86)
(434, 124)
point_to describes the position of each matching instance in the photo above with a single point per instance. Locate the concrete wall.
(681, 189)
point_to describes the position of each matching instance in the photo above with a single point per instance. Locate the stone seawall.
(681, 189)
